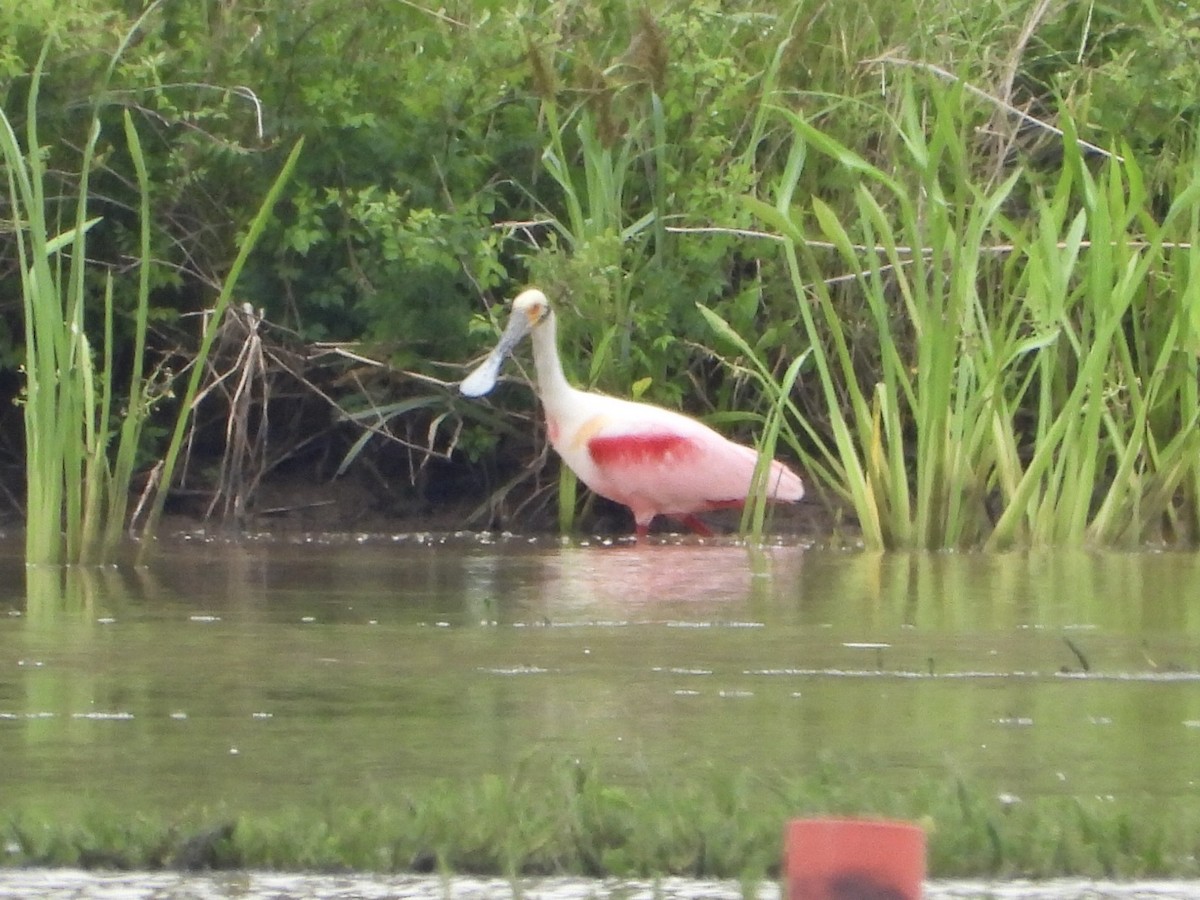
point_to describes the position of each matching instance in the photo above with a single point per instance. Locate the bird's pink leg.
(697, 525)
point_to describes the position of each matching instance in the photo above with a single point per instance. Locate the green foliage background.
(599, 149)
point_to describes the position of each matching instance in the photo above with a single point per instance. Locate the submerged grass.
(567, 819)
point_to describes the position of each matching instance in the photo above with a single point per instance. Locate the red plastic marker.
(853, 859)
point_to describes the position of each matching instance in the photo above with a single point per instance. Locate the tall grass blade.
(188, 399)
(138, 397)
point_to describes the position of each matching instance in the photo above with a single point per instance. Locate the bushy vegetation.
(995, 319)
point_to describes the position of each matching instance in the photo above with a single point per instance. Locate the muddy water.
(275, 673)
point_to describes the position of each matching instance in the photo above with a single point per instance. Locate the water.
(265, 673)
(273, 674)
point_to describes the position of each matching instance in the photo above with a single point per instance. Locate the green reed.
(69, 399)
(1031, 345)
(81, 440)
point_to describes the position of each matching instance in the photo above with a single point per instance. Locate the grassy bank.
(573, 821)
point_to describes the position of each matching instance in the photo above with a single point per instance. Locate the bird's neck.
(552, 383)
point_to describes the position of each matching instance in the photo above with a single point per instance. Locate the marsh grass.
(1033, 346)
(564, 818)
(68, 399)
(776, 424)
(81, 436)
(597, 251)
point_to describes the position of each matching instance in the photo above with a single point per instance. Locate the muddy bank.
(370, 498)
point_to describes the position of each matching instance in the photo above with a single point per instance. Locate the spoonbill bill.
(653, 460)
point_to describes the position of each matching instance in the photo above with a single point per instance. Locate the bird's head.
(533, 306)
(529, 310)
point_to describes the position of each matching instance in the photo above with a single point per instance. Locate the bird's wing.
(673, 464)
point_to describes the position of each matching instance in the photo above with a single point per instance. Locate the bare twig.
(374, 429)
(927, 252)
(239, 89)
(437, 14)
(729, 232)
(146, 496)
(16, 504)
(984, 95)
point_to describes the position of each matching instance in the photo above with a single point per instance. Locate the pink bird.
(650, 459)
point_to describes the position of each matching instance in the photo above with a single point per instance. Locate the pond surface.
(272, 673)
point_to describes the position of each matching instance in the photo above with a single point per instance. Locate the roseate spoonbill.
(651, 459)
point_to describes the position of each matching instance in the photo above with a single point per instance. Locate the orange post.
(853, 859)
